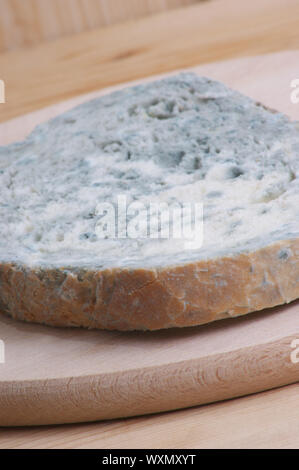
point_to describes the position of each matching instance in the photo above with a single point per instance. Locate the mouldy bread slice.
(181, 139)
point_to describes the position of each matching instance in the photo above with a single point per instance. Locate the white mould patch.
(181, 139)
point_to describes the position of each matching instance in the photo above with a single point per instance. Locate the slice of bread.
(183, 139)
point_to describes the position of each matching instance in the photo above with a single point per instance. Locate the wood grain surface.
(85, 62)
(268, 420)
(29, 22)
(54, 376)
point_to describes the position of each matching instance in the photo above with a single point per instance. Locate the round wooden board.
(68, 375)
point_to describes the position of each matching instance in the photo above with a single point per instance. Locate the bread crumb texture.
(178, 140)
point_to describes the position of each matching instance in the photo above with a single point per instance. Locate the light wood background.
(267, 420)
(29, 22)
(210, 31)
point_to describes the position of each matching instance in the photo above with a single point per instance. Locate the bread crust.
(151, 299)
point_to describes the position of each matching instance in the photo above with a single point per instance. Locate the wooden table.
(83, 63)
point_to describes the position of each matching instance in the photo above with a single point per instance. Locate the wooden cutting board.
(68, 375)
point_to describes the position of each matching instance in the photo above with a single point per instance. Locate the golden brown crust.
(123, 299)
